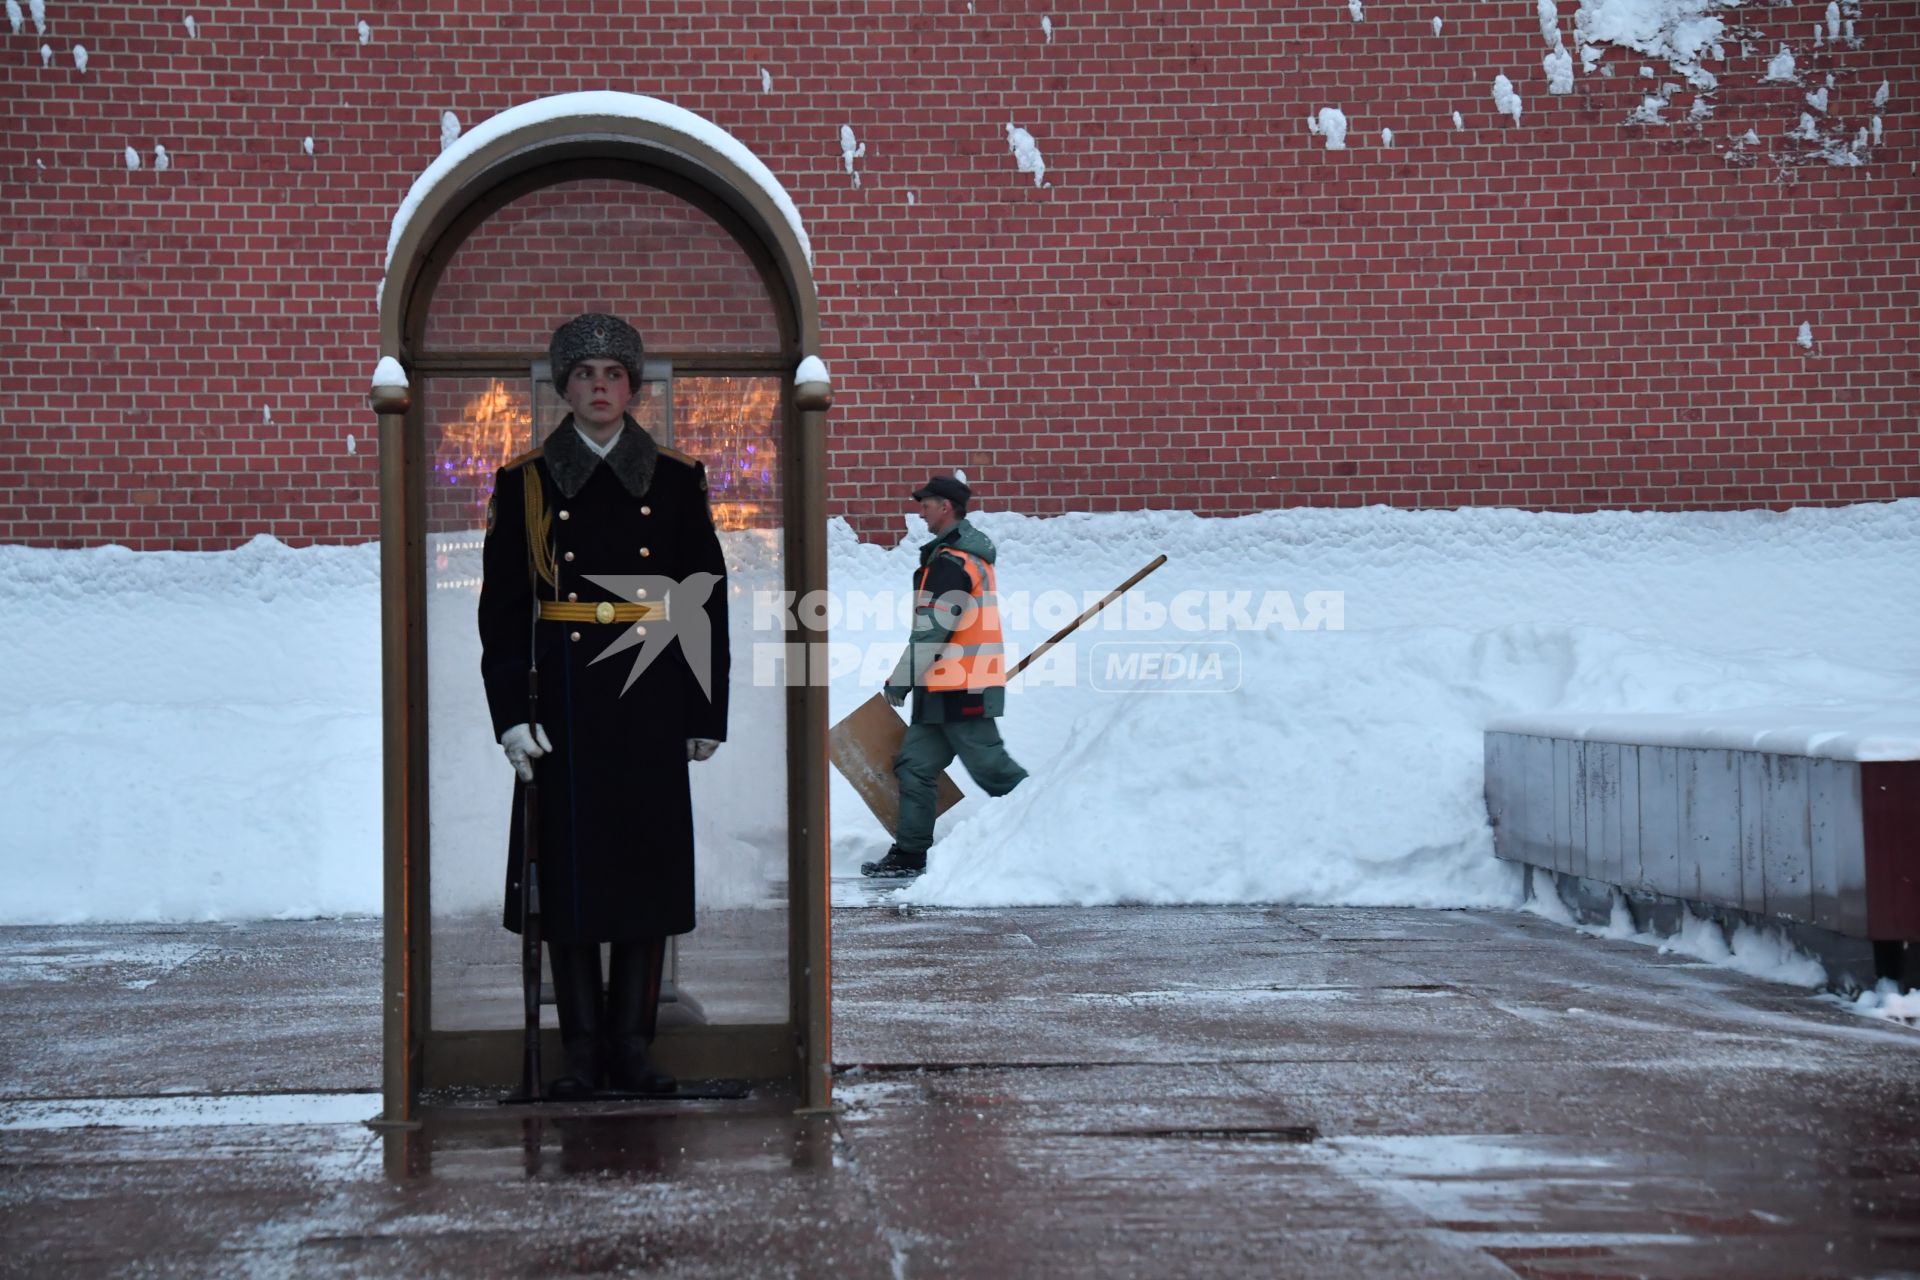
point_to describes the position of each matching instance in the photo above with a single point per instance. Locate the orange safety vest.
(974, 658)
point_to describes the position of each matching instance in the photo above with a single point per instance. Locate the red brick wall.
(1205, 309)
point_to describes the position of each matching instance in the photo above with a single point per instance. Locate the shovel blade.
(862, 748)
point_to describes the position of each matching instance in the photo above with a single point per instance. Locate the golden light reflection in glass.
(733, 425)
(493, 427)
(730, 423)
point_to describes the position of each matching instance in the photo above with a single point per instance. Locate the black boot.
(633, 1012)
(897, 865)
(577, 999)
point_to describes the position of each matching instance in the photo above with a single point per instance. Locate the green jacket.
(932, 628)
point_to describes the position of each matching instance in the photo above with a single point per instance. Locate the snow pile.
(1346, 767)
(1831, 733)
(1683, 33)
(1759, 953)
(1650, 111)
(1025, 154)
(1330, 123)
(1505, 100)
(851, 149)
(1887, 1001)
(192, 736)
(1558, 64)
(197, 736)
(388, 373)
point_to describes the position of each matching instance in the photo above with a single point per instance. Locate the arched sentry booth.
(618, 203)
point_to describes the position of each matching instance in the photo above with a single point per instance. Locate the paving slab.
(1061, 1092)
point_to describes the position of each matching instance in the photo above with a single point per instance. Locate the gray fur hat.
(593, 336)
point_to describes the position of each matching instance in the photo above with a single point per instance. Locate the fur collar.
(571, 463)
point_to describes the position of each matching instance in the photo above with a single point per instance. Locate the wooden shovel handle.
(1061, 634)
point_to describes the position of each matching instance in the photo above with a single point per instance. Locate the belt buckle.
(603, 612)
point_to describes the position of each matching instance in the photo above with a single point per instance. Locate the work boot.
(576, 998)
(897, 865)
(633, 1015)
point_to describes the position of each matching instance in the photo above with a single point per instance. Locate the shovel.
(863, 745)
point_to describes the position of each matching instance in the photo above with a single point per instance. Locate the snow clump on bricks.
(1025, 154)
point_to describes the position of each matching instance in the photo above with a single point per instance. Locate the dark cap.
(945, 487)
(593, 336)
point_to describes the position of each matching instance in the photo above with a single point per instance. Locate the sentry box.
(619, 203)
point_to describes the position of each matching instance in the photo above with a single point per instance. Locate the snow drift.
(196, 736)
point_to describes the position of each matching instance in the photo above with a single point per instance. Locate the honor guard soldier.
(600, 553)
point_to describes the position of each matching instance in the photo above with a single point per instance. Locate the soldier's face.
(599, 391)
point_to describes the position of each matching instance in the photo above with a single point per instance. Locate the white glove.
(701, 748)
(524, 745)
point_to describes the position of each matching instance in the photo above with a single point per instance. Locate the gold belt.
(605, 611)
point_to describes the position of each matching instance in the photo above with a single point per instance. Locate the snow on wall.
(1687, 35)
(1498, 330)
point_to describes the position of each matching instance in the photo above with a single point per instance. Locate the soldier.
(955, 668)
(600, 551)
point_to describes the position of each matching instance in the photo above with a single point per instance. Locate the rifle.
(530, 909)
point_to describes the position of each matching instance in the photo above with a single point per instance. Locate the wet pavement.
(1312, 1092)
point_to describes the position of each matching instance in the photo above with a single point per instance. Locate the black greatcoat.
(616, 818)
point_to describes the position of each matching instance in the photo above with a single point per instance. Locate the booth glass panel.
(473, 425)
(733, 968)
(735, 963)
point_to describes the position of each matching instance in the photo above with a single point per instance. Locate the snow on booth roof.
(601, 102)
(1830, 733)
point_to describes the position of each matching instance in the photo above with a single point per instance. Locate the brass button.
(645, 552)
(566, 515)
(603, 612)
(575, 636)
(640, 594)
(646, 511)
(568, 557)
(640, 629)
(572, 596)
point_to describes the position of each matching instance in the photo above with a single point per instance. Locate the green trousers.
(927, 750)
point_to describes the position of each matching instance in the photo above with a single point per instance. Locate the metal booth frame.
(542, 153)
